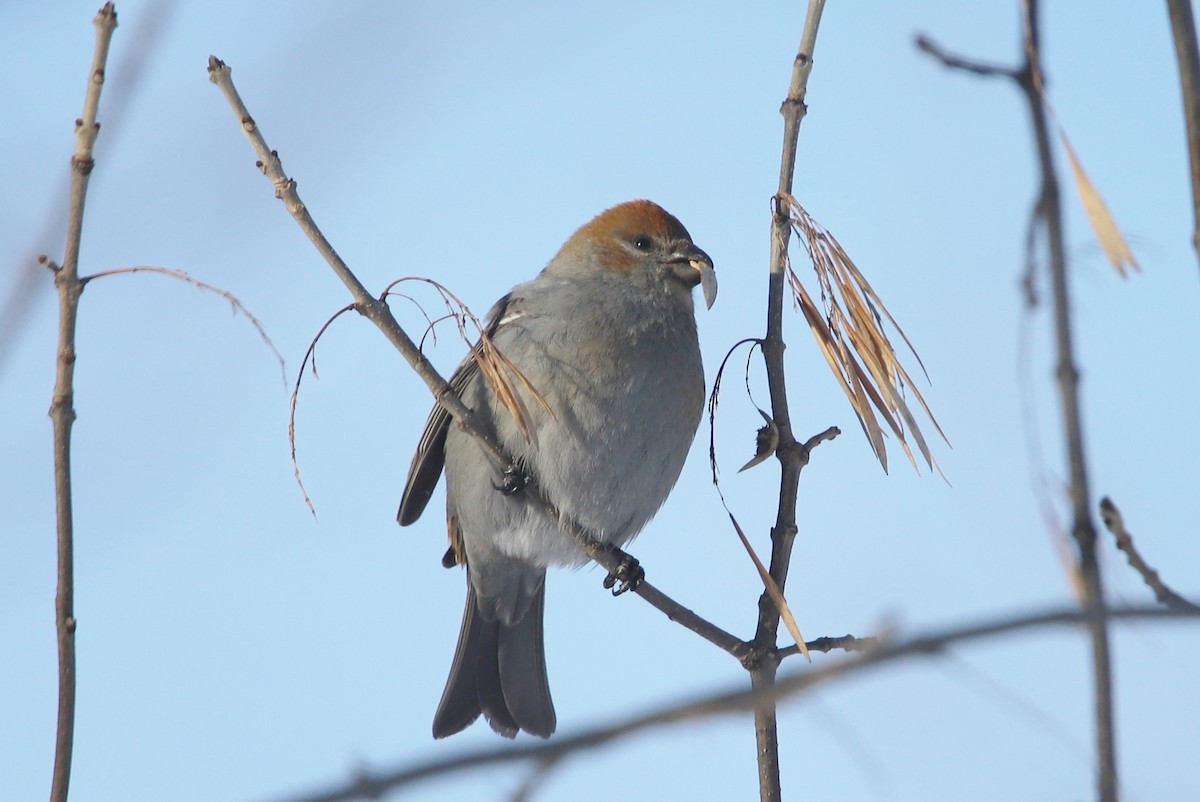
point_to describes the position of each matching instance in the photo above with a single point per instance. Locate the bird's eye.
(643, 243)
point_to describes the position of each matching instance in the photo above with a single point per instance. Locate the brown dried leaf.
(850, 333)
(772, 588)
(765, 442)
(1114, 245)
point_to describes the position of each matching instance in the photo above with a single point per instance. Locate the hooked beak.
(708, 279)
(699, 270)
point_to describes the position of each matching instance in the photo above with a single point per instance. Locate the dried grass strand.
(850, 331)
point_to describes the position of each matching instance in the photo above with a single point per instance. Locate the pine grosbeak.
(607, 335)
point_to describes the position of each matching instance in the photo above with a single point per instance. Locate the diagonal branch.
(378, 312)
(1115, 523)
(377, 784)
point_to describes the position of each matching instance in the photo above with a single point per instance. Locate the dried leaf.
(772, 588)
(1115, 246)
(850, 333)
(765, 443)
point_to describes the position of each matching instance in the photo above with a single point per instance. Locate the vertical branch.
(791, 454)
(1183, 31)
(1049, 212)
(62, 407)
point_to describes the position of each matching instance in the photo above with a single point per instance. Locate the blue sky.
(231, 647)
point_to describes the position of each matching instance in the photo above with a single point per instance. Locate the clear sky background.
(231, 647)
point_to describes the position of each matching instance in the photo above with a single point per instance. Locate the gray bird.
(606, 336)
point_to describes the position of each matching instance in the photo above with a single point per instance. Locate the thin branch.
(62, 407)
(826, 644)
(1183, 32)
(376, 785)
(790, 455)
(1049, 209)
(1115, 523)
(984, 69)
(1047, 218)
(377, 311)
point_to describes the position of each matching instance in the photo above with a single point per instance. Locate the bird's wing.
(430, 456)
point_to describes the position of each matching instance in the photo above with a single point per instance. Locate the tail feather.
(499, 670)
(522, 662)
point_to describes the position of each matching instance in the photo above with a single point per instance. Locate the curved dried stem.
(234, 301)
(310, 355)
(714, 401)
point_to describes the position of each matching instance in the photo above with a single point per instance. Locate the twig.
(847, 643)
(1047, 215)
(1115, 523)
(62, 408)
(984, 69)
(1183, 31)
(790, 455)
(375, 785)
(377, 311)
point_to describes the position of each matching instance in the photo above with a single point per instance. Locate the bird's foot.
(626, 576)
(514, 481)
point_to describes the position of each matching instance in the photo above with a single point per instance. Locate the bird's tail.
(499, 670)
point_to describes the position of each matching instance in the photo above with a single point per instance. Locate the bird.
(609, 397)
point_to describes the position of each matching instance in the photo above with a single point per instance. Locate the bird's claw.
(626, 576)
(513, 482)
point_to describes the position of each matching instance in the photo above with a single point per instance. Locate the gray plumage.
(606, 334)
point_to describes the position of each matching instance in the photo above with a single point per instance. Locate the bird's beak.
(708, 278)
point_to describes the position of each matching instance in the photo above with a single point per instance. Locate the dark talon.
(514, 481)
(627, 575)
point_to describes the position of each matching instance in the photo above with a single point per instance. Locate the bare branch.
(62, 407)
(1047, 218)
(376, 785)
(1048, 209)
(984, 69)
